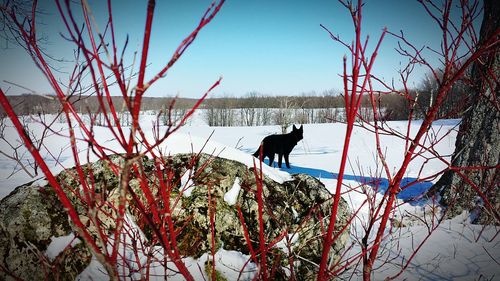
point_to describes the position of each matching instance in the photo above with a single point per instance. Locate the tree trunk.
(478, 139)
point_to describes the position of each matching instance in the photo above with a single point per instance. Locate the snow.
(287, 243)
(451, 253)
(456, 249)
(95, 271)
(187, 183)
(148, 258)
(232, 195)
(58, 244)
(186, 142)
(230, 263)
(40, 182)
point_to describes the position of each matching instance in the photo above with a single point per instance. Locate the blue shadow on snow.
(412, 191)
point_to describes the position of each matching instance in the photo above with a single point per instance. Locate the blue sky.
(271, 47)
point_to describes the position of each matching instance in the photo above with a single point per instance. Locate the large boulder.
(31, 217)
(294, 214)
(292, 209)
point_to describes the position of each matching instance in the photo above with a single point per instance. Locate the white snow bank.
(182, 143)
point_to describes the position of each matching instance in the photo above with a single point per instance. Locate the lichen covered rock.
(293, 215)
(292, 209)
(29, 217)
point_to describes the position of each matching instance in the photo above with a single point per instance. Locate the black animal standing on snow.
(280, 144)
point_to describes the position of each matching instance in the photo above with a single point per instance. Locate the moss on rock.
(33, 214)
(29, 217)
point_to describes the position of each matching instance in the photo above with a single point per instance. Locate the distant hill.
(34, 104)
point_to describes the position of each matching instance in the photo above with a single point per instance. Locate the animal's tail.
(257, 153)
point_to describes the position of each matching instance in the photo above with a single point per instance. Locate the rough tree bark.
(478, 139)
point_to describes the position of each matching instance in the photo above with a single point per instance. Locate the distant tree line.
(255, 109)
(397, 107)
(27, 104)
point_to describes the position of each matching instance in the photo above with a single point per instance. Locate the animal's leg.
(271, 159)
(280, 159)
(286, 161)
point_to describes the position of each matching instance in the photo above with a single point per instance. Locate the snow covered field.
(457, 250)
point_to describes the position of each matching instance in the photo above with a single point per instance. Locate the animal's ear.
(301, 127)
(294, 128)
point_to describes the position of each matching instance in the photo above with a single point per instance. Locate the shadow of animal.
(413, 190)
(279, 144)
